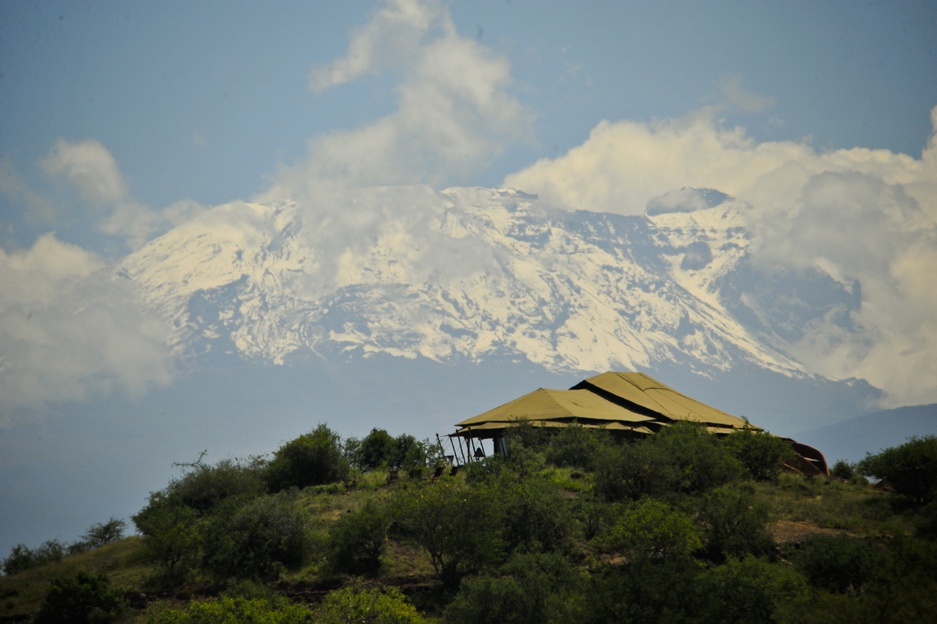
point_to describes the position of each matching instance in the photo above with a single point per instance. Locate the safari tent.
(625, 404)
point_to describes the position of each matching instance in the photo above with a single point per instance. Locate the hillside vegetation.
(573, 527)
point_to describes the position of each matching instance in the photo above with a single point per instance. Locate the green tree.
(315, 458)
(408, 453)
(375, 450)
(204, 486)
(171, 535)
(458, 527)
(911, 468)
(104, 533)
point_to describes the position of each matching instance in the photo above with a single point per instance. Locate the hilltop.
(679, 526)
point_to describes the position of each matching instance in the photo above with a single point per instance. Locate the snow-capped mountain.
(462, 274)
(474, 277)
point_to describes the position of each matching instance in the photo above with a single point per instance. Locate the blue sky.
(120, 120)
(203, 100)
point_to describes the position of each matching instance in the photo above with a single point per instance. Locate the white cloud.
(90, 168)
(733, 94)
(454, 116)
(860, 214)
(69, 331)
(92, 171)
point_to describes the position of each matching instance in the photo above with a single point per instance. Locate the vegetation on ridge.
(681, 526)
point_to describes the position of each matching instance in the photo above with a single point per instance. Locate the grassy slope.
(800, 506)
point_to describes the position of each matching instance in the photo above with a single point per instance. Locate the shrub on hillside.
(359, 605)
(79, 599)
(682, 458)
(746, 590)
(577, 447)
(375, 450)
(763, 455)
(910, 469)
(357, 541)
(256, 539)
(205, 486)
(22, 558)
(104, 533)
(535, 517)
(528, 589)
(235, 610)
(733, 524)
(652, 530)
(315, 458)
(840, 563)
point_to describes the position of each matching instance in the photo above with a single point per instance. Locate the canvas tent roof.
(637, 390)
(631, 402)
(544, 406)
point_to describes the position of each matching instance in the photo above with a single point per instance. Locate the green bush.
(408, 453)
(357, 541)
(22, 558)
(652, 530)
(236, 610)
(746, 590)
(204, 486)
(577, 447)
(762, 454)
(529, 589)
(534, 514)
(355, 605)
(844, 470)
(839, 563)
(257, 539)
(910, 469)
(700, 461)
(312, 459)
(641, 591)
(733, 522)
(79, 599)
(682, 458)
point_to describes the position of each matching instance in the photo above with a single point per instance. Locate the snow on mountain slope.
(461, 274)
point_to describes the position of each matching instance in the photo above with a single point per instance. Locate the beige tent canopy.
(627, 404)
(624, 402)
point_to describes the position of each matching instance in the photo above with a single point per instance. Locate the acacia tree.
(457, 526)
